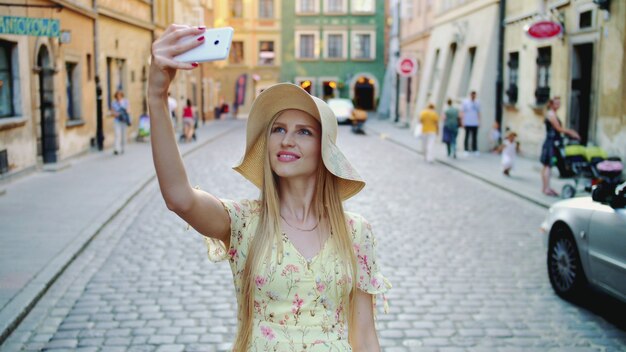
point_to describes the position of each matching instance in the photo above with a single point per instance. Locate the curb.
(18, 308)
(391, 139)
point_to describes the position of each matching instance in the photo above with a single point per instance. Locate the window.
(266, 53)
(336, 45)
(467, 72)
(513, 65)
(236, 53)
(266, 8)
(236, 8)
(585, 19)
(363, 45)
(116, 73)
(307, 83)
(363, 6)
(307, 6)
(406, 9)
(8, 79)
(307, 45)
(335, 6)
(329, 87)
(88, 61)
(72, 90)
(544, 58)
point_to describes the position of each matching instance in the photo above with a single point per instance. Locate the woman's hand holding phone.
(164, 50)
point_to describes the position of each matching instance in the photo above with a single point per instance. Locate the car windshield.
(340, 103)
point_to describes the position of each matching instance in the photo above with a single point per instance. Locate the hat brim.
(284, 96)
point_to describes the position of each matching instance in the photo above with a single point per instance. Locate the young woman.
(554, 129)
(305, 271)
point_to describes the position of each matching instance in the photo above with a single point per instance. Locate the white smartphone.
(216, 46)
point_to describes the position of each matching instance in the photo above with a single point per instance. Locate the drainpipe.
(499, 79)
(395, 34)
(99, 118)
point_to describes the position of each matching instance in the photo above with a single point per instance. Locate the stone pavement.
(48, 218)
(467, 274)
(525, 179)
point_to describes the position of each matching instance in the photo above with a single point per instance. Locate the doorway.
(48, 144)
(580, 97)
(364, 93)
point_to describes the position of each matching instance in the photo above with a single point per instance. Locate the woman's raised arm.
(199, 209)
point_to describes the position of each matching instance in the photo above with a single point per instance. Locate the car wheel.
(568, 191)
(564, 267)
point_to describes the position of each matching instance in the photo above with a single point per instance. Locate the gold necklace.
(297, 228)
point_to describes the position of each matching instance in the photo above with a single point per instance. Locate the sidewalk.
(47, 218)
(525, 179)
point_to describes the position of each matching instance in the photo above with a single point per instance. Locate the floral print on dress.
(298, 305)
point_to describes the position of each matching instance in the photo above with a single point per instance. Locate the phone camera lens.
(216, 42)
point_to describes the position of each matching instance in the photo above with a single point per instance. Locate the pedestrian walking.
(305, 271)
(172, 104)
(119, 109)
(188, 122)
(509, 149)
(451, 128)
(217, 111)
(430, 127)
(470, 113)
(553, 140)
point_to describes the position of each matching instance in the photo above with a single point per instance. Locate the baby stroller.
(144, 128)
(580, 164)
(606, 190)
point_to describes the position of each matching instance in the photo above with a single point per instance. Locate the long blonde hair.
(328, 205)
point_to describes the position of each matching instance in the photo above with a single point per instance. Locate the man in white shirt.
(470, 113)
(172, 105)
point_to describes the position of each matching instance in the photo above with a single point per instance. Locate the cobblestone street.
(466, 262)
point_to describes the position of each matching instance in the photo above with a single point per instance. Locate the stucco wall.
(607, 123)
(472, 26)
(121, 40)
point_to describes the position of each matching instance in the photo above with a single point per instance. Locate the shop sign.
(38, 27)
(544, 29)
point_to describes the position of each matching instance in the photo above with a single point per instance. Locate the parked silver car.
(586, 243)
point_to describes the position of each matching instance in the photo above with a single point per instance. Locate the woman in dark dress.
(554, 130)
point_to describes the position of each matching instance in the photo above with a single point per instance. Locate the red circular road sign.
(407, 66)
(544, 29)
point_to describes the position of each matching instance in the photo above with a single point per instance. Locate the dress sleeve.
(369, 277)
(238, 213)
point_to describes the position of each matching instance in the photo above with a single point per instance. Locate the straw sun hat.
(285, 96)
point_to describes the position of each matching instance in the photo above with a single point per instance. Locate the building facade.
(193, 85)
(124, 34)
(462, 57)
(47, 84)
(55, 56)
(585, 66)
(335, 48)
(416, 23)
(254, 60)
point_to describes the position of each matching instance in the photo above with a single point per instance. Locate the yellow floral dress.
(298, 304)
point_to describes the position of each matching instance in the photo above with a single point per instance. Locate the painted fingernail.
(201, 28)
(201, 39)
(194, 64)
